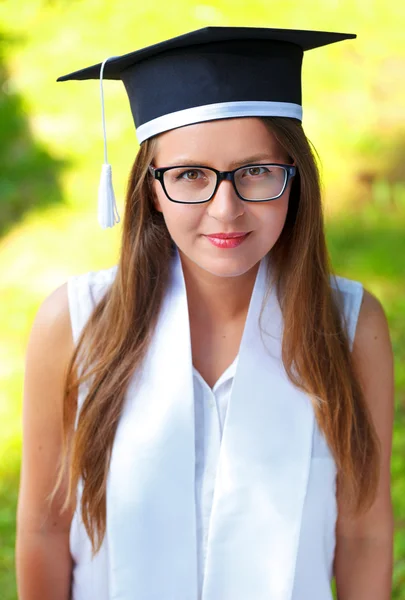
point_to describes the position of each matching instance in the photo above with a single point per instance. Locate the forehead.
(219, 140)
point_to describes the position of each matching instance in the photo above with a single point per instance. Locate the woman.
(226, 401)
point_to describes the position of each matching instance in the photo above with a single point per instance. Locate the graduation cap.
(210, 73)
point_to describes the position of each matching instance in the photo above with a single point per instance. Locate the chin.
(220, 262)
(224, 267)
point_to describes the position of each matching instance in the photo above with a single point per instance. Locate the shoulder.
(368, 325)
(51, 341)
(370, 336)
(372, 333)
(373, 361)
(53, 313)
(53, 326)
(373, 353)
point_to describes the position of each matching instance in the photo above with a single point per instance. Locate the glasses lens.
(260, 182)
(189, 184)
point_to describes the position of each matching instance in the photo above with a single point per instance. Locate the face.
(224, 145)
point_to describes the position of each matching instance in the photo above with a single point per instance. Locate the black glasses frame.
(158, 173)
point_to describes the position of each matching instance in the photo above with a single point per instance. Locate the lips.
(228, 240)
(224, 236)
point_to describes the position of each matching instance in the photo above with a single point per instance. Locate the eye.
(254, 171)
(194, 175)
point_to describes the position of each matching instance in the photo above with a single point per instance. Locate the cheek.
(271, 216)
(179, 218)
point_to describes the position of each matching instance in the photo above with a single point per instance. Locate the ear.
(156, 202)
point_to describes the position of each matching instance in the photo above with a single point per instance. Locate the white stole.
(262, 474)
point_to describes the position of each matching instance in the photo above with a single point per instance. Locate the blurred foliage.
(380, 176)
(51, 154)
(28, 172)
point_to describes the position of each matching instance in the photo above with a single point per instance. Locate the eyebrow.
(182, 160)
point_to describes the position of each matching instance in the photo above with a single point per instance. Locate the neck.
(214, 299)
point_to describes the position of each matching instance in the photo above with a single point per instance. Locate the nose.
(225, 205)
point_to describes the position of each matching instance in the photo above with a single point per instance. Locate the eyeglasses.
(187, 184)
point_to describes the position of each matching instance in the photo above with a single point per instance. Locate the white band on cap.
(220, 110)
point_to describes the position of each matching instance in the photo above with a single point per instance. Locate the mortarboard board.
(206, 74)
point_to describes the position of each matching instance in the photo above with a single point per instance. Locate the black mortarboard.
(213, 73)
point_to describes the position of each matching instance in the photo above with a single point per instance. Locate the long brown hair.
(315, 347)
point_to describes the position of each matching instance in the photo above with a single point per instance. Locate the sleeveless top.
(89, 575)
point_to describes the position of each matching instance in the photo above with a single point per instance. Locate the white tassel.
(107, 208)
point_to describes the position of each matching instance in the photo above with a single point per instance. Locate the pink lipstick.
(227, 240)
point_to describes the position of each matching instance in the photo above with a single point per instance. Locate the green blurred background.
(51, 155)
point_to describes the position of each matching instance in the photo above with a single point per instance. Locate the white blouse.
(90, 575)
(210, 406)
